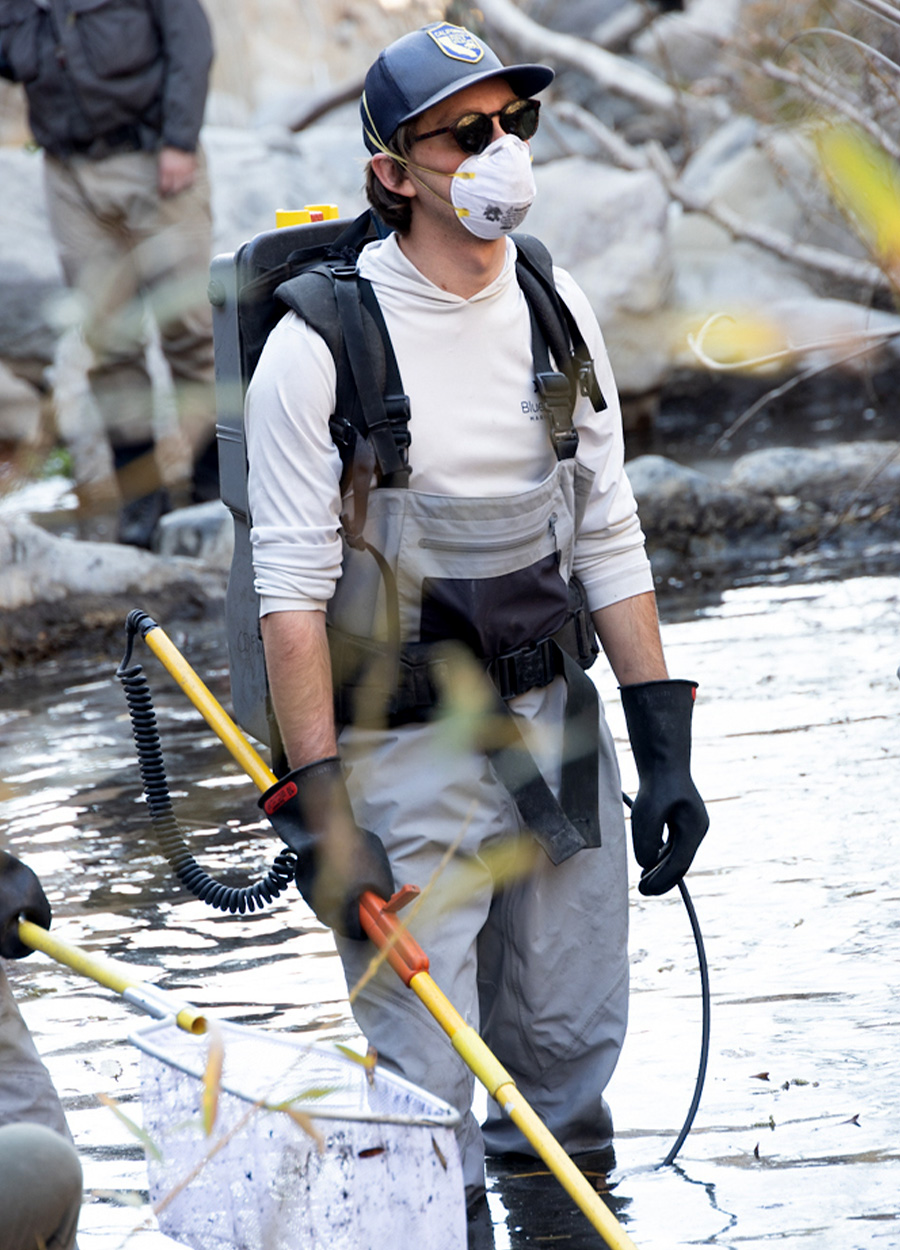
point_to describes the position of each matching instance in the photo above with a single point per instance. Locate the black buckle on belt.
(528, 669)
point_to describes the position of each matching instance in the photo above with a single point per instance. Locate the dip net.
(309, 1150)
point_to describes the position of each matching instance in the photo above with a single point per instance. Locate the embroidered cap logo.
(457, 43)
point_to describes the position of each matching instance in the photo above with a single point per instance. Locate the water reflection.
(796, 751)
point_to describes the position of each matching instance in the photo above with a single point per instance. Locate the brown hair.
(393, 209)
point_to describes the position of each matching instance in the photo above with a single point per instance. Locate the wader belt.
(367, 697)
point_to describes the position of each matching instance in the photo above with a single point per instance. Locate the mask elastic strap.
(375, 138)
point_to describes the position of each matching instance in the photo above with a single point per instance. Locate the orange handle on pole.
(402, 951)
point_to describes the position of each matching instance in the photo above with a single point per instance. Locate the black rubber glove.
(658, 715)
(20, 895)
(310, 811)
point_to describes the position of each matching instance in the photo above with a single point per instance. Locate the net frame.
(383, 1164)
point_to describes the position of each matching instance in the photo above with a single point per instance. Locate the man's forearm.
(299, 669)
(629, 634)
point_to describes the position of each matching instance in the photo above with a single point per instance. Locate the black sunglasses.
(473, 131)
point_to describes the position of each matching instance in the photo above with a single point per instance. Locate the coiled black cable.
(165, 826)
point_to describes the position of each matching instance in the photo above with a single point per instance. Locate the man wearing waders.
(487, 538)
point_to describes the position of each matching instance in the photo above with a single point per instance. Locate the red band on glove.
(280, 797)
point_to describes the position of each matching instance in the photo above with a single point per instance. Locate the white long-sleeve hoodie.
(477, 429)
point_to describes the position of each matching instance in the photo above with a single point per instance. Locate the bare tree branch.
(881, 8)
(651, 156)
(334, 99)
(613, 73)
(810, 372)
(834, 100)
(622, 26)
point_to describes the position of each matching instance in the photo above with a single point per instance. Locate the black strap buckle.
(589, 386)
(527, 669)
(398, 414)
(556, 393)
(553, 387)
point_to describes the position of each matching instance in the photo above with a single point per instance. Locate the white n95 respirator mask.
(493, 190)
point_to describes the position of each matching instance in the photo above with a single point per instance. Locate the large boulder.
(38, 567)
(772, 177)
(253, 173)
(608, 227)
(859, 475)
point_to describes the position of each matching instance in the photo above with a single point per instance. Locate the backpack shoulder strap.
(341, 306)
(534, 269)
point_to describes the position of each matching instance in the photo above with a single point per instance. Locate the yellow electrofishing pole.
(406, 957)
(115, 976)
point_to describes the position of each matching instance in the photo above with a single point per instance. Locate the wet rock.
(675, 500)
(779, 512)
(864, 473)
(699, 528)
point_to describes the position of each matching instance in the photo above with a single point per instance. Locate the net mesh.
(383, 1164)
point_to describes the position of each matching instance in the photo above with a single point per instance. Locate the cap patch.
(457, 43)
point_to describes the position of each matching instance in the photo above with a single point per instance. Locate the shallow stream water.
(797, 1140)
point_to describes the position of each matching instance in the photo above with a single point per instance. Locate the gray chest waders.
(420, 571)
(492, 575)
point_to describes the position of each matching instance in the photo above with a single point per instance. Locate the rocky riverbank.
(785, 513)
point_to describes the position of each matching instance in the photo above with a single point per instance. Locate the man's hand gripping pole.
(409, 961)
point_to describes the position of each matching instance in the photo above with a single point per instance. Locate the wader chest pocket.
(495, 615)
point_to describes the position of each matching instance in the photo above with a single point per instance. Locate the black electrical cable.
(705, 1026)
(165, 826)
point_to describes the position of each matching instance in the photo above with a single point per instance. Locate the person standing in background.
(116, 95)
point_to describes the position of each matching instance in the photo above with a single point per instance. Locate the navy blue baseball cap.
(424, 67)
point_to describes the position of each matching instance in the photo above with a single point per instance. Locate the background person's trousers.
(122, 246)
(538, 965)
(40, 1189)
